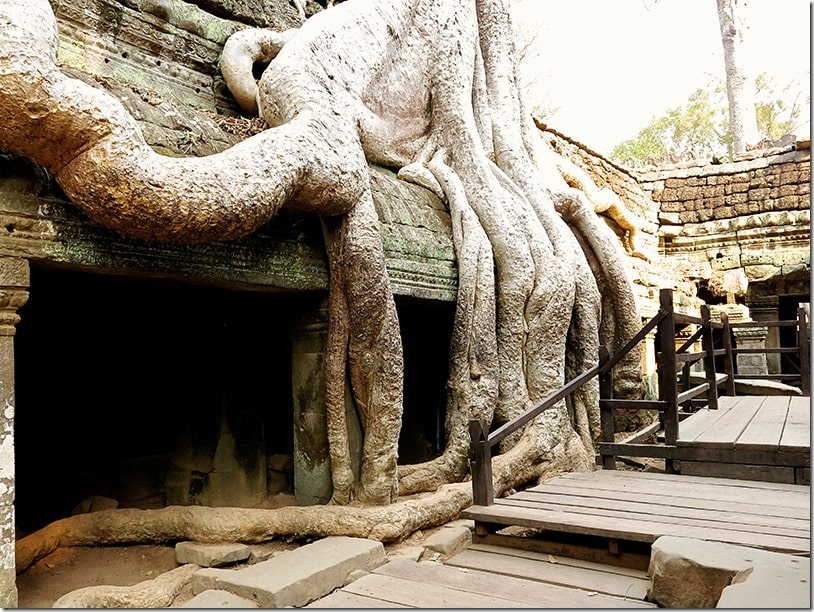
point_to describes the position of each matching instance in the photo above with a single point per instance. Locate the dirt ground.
(68, 569)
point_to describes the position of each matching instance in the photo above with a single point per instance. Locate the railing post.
(804, 345)
(606, 420)
(481, 463)
(729, 361)
(668, 391)
(708, 346)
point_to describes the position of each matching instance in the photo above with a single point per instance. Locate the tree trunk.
(740, 86)
(427, 86)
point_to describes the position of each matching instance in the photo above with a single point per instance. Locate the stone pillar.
(312, 463)
(751, 338)
(766, 308)
(14, 280)
(220, 455)
(650, 366)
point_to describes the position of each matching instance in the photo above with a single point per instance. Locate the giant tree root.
(156, 593)
(246, 525)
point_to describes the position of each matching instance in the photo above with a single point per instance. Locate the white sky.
(613, 65)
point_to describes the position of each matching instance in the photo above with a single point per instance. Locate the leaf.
(552, 559)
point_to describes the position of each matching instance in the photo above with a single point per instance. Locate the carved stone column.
(766, 308)
(650, 366)
(751, 338)
(312, 463)
(14, 280)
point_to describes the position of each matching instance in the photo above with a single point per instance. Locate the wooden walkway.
(750, 437)
(484, 576)
(613, 515)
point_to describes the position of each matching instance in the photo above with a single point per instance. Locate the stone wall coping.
(743, 222)
(770, 157)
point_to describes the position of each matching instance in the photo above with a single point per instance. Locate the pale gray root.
(247, 525)
(374, 352)
(563, 275)
(156, 593)
(472, 385)
(241, 52)
(603, 200)
(95, 150)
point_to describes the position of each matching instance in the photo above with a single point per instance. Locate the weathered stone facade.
(752, 214)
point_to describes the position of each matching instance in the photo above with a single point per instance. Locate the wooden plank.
(552, 572)
(629, 554)
(627, 528)
(662, 510)
(702, 452)
(797, 432)
(545, 557)
(709, 489)
(767, 473)
(761, 515)
(765, 429)
(727, 429)
(653, 513)
(508, 591)
(433, 593)
(343, 599)
(669, 479)
(695, 424)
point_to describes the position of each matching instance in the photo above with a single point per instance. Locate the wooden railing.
(802, 351)
(676, 395)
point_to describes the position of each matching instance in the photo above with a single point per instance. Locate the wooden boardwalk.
(614, 515)
(750, 437)
(484, 576)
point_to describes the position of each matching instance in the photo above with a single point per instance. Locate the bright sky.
(610, 66)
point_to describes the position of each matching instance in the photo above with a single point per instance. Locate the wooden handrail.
(547, 402)
(619, 355)
(666, 322)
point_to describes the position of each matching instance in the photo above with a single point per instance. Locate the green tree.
(700, 127)
(779, 110)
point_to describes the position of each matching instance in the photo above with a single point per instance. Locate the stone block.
(210, 555)
(410, 553)
(207, 578)
(690, 573)
(213, 598)
(779, 582)
(449, 539)
(304, 574)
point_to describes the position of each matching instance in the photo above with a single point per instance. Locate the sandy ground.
(68, 569)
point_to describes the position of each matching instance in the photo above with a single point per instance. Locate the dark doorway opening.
(110, 371)
(787, 311)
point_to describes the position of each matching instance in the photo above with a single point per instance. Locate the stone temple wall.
(751, 215)
(647, 276)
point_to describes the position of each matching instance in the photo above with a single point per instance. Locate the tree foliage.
(700, 127)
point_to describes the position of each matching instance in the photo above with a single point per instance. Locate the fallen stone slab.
(207, 579)
(448, 540)
(211, 555)
(690, 573)
(411, 553)
(299, 576)
(784, 582)
(218, 599)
